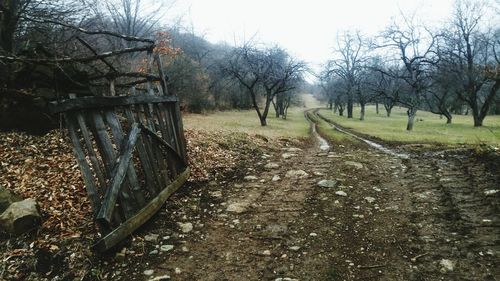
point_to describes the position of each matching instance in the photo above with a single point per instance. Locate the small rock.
(250, 178)
(292, 149)
(356, 165)
(312, 234)
(271, 166)
(216, 194)
(285, 279)
(166, 248)
(491, 192)
(340, 193)
(161, 278)
(447, 265)
(369, 199)
(7, 197)
(149, 272)
(297, 174)
(21, 217)
(177, 270)
(376, 189)
(185, 227)
(327, 183)
(294, 248)
(154, 252)
(120, 256)
(185, 249)
(266, 253)
(237, 208)
(151, 238)
(276, 178)
(318, 173)
(288, 155)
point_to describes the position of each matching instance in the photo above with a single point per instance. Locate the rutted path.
(377, 217)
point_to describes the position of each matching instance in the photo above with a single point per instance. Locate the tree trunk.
(341, 111)
(335, 108)
(388, 110)
(448, 119)
(376, 108)
(262, 118)
(362, 113)
(478, 122)
(276, 110)
(412, 112)
(350, 105)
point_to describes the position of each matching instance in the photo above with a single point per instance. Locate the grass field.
(428, 129)
(246, 121)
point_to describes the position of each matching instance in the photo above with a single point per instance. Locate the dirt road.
(434, 216)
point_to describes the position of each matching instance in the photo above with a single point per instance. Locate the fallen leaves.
(44, 168)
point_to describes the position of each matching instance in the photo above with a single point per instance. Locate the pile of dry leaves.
(44, 168)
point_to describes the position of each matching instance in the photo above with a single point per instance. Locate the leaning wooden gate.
(132, 155)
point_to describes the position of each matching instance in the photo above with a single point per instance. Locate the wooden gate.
(131, 152)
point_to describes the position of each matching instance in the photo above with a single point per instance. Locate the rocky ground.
(291, 211)
(352, 213)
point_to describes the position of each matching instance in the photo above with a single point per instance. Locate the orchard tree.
(350, 52)
(472, 57)
(415, 46)
(263, 73)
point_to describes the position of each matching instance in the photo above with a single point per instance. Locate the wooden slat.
(118, 175)
(132, 181)
(106, 147)
(151, 184)
(172, 151)
(103, 102)
(142, 116)
(144, 214)
(100, 174)
(88, 179)
(172, 167)
(161, 72)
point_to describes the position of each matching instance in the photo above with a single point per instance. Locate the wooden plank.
(163, 81)
(88, 179)
(100, 174)
(144, 214)
(180, 129)
(172, 150)
(132, 181)
(166, 132)
(150, 149)
(106, 148)
(151, 184)
(104, 102)
(118, 175)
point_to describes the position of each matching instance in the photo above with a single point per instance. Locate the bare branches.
(92, 32)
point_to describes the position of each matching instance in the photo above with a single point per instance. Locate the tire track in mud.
(454, 224)
(456, 220)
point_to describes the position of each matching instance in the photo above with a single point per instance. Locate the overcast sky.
(307, 29)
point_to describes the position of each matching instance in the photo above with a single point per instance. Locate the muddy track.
(432, 216)
(452, 214)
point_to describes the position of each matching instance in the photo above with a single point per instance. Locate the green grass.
(325, 130)
(246, 121)
(428, 128)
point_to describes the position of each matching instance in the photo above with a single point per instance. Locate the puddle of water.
(373, 144)
(323, 144)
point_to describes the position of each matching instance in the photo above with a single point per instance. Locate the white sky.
(307, 29)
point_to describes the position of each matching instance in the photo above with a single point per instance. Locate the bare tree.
(472, 58)
(415, 45)
(264, 73)
(351, 52)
